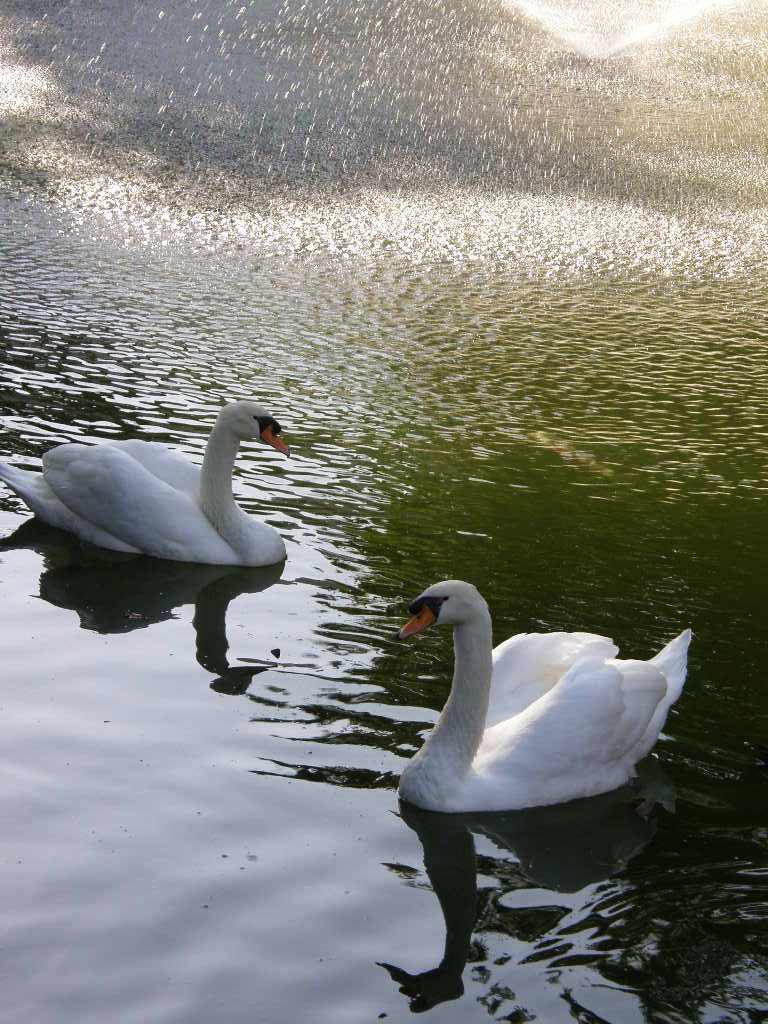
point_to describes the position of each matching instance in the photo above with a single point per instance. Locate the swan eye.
(267, 421)
(434, 604)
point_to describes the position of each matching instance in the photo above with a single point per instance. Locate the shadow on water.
(562, 848)
(117, 593)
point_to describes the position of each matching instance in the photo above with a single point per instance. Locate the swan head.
(247, 420)
(448, 603)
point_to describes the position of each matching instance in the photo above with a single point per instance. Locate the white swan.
(542, 719)
(139, 496)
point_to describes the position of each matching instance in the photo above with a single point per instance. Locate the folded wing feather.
(107, 486)
(528, 665)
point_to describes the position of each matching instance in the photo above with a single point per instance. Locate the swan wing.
(36, 493)
(164, 463)
(108, 487)
(528, 665)
(577, 740)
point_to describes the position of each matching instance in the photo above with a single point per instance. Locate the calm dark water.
(567, 408)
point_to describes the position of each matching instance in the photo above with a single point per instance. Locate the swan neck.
(466, 710)
(216, 498)
(446, 757)
(434, 777)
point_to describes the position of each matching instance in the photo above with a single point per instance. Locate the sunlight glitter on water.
(21, 88)
(548, 163)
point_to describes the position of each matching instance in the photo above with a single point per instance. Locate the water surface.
(545, 374)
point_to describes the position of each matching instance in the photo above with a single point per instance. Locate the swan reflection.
(116, 593)
(562, 848)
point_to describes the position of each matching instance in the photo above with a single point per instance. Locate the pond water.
(509, 303)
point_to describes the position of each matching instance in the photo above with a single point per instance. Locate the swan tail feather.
(25, 483)
(31, 487)
(672, 660)
(37, 495)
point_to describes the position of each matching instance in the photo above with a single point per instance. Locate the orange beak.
(425, 618)
(269, 437)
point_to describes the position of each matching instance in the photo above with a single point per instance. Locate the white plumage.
(542, 719)
(138, 496)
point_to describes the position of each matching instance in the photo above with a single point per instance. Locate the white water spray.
(603, 32)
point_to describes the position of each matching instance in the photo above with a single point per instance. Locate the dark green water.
(588, 460)
(200, 764)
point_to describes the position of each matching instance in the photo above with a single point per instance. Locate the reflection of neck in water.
(210, 624)
(563, 848)
(114, 593)
(451, 865)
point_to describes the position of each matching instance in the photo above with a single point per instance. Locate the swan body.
(140, 497)
(542, 719)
